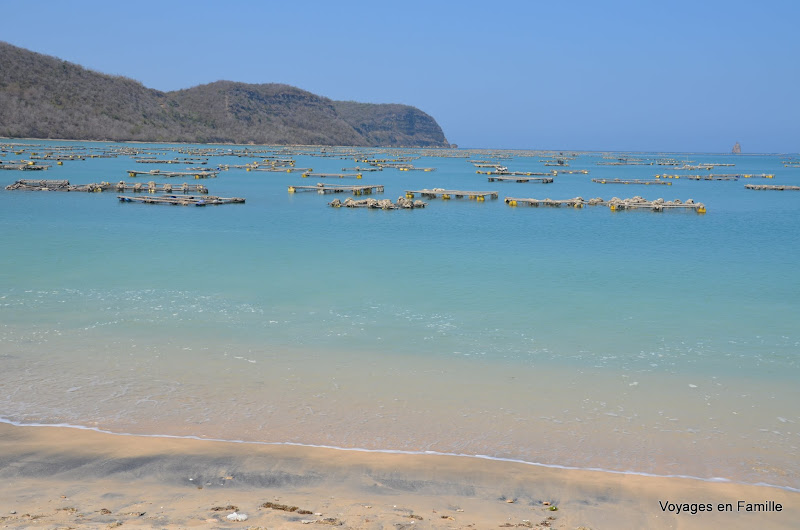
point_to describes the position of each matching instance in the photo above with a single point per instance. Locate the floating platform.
(358, 169)
(447, 194)
(498, 178)
(159, 173)
(626, 163)
(699, 177)
(504, 171)
(121, 186)
(770, 187)
(23, 165)
(326, 188)
(384, 204)
(40, 185)
(632, 181)
(152, 187)
(577, 202)
(571, 171)
(283, 169)
(658, 205)
(183, 200)
(169, 161)
(712, 176)
(333, 175)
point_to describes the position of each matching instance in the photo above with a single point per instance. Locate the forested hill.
(45, 97)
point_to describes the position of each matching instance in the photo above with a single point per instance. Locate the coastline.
(86, 479)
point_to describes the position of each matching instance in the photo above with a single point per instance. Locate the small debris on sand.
(237, 517)
(227, 508)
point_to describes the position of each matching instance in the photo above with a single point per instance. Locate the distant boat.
(737, 149)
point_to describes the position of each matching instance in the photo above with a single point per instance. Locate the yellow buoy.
(445, 196)
(60, 163)
(291, 189)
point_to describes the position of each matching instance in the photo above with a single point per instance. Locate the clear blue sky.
(594, 75)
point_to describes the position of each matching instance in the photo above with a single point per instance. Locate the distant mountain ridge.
(45, 97)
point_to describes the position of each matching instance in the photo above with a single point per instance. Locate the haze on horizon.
(579, 75)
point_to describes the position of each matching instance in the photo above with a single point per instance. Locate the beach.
(56, 477)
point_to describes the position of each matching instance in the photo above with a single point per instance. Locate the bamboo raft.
(183, 200)
(283, 169)
(447, 194)
(333, 175)
(40, 185)
(412, 168)
(23, 165)
(121, 186)
(169, 161)
(159, 173)
(571, 171)
(577, 202)
(498, 178)
(699, 177)
(322, 189)
(506, 172)
(713, 176)
(615, 204)
(632, 181)
(383, 204)
(358, 169)
(626, 163)
(152, 187)
(769, 187)
(658, 205)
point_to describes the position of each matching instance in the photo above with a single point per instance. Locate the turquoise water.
(662, 343)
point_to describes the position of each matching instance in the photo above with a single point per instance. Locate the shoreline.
(83, 478)
(300, 445)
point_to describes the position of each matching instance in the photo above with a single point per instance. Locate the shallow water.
(660, 343)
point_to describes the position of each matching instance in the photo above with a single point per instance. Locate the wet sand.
(56, 477)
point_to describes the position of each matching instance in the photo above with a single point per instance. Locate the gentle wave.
(400, 452)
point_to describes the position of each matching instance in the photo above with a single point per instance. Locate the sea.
(629, 341)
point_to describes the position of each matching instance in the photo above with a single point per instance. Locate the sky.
(685, 76)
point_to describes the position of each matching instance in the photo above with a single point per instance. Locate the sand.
(57, 477)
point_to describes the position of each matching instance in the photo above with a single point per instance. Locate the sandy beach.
(57, 477)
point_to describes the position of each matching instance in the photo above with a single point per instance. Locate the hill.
(46, 97)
